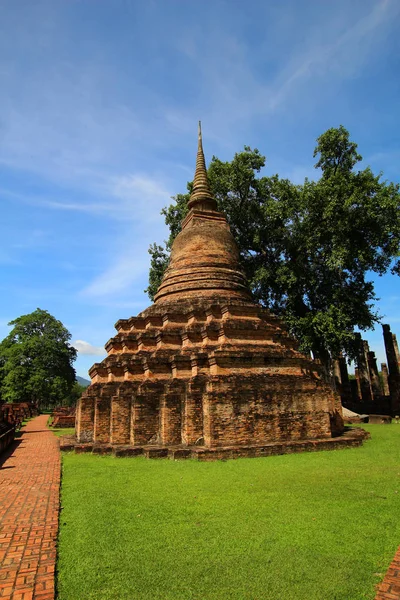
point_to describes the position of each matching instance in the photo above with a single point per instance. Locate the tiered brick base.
(206, 374)
(351, 438)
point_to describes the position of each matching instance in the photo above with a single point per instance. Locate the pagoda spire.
(201, 197)
(204, 261)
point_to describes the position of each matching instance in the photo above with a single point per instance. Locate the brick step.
(350, 439)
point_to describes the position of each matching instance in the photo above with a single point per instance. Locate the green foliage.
(74, 395)
(337, 155)
(158, 265)
(307, 249)
(174, 215)
(36, 361)
(312, 526)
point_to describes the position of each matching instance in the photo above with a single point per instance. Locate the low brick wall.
(63, 421)
(14, 413)
(63, 417)
(7, 434)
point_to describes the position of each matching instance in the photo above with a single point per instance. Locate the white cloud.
(79, 129)
(131, 196)
(341, 57)
(140, 199)
(121, 273)
(237, 92)
(142, 195)
(85, 348)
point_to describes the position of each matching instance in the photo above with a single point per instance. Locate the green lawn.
(313, 526)
(58, 431)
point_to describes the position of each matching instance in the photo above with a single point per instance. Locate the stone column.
(396, 349)
(337, 375)
(344, 374)
(357, 376)
(394, 369)
(341, 379)
(391, 350)
(385, 375)
(363, 372)
(374, 376)
(344, 377)
(354, 390)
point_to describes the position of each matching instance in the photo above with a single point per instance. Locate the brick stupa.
(205, 371)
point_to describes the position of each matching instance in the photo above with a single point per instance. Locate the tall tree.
(36, 360)
(308, 250)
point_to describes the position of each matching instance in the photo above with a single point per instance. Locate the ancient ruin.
(63, 416)
(205, 372)
(371, 392)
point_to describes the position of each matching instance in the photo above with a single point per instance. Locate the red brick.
(389, 589)
(36, 467)
(205, 365)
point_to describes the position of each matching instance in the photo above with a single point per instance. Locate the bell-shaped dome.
(204, 256)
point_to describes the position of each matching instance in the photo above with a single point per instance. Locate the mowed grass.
(59, 431)
(315, 526)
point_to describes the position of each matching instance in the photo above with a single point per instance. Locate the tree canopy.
(308, 250)
(36, 361)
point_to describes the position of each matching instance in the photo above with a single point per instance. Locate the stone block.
(179, 453)
(82, 448)
(102, 449)
(129, 451)
(155, 452)
(380, 419)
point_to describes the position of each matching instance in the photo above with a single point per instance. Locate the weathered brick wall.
(259, 409)
(7, 434)
(193, 418)
(212, 411)
(102, 419)
(205, 365)
(145, 414)
(120, 432)
(84, 423)
(171, 405)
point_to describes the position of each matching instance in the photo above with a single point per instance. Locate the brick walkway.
(29, 504)
(389, 589)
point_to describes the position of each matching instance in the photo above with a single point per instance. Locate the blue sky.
(99, 103)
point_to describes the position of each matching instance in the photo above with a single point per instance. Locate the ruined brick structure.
(341, 379)
(370, 393)
(205, 368)
(16, 412)
(63, 416)
(393, 363)
(7, 434)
